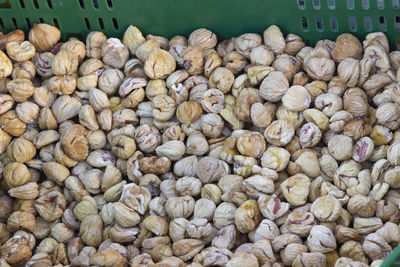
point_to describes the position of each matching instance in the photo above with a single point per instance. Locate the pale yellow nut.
(326, 208)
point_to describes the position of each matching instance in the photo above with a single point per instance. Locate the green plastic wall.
(311, 19)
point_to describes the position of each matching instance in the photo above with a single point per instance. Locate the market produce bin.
(311, 19)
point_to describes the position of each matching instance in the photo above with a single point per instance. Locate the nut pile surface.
(255, 151)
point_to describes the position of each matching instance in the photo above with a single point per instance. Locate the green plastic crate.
(311, 19)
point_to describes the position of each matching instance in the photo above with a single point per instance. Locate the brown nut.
(75, 142)
(11, 124)
(193, 60)
(16, 250)
(188, 112)
(21, 220)
(20, 89)
(51, 206)
(296, 98)
(44, 36)
(246, 98)
(16, 174)
(94, 40)
(28, 112)
(346, 46)
(62, 85)
(251, 144)
(154, 164)
(203, 38)
(21, 150)
(23, 70)
(65, 63)
(91, 230)
(20, 51)
(159, 64)
(114, 53)
(247, 216)
(14, 36)
(355, 101)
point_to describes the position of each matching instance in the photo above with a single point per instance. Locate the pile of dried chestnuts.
(255, 151)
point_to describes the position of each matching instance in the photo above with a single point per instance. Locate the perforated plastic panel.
(311, 19)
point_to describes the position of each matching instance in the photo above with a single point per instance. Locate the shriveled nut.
(326, 208)
(279, 132)
(44, 36)
(344, 234)
(242, 259)
(55, 171)
(247, 216)
(246, 98)
(317, 234)
(16, 250)
(375, 246)
(13, 36)
(296, 98)
(296, 189)
(273, 39)
(187, 248)
(6, 103)
(156, 224)
(202, 38)
(51, 205)
(319, 68)
(340, 147)
(61, 233)
(291, 251)
(387, 115)
(300, 223)
(20, 51)
(108, 257)
(387, 211)
(310, 135)
(188, 111)
(361, 205)
(180, 206)
(210, 170)
(213, 256)
(355, 101)
(65, 63)
(26, 191)
(74, 142)
(346, 46)
(133, 38)
(251, 144)
(367, 225)
(28, 112)
(114, 53)
(21, 220)
(91, 230)
(16, 174)
(159, 64)
(308, 259)
(20, 89)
